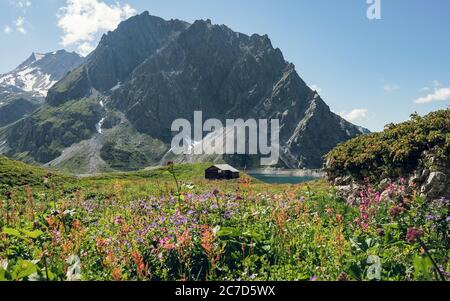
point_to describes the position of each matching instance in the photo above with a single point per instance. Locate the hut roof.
(225, 167)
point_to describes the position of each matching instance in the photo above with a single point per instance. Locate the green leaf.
(228, 232)
(22, 234)
(23, 268)
(32, 234)
(2, 274)
(266, 248)
(422, 267)
(12, 232)
(355, 271)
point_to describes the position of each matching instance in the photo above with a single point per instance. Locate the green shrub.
(395, 152)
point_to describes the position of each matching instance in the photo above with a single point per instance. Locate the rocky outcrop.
(430, 179)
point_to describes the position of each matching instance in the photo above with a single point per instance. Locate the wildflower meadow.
(180, 227)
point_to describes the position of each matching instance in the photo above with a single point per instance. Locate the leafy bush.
(395, 152)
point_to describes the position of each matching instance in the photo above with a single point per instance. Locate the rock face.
(434, 177)
(116, 56)
(151, 72)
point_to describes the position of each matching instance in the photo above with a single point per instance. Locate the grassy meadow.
(171, 224)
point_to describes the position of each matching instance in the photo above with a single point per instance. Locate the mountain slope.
(149, 72)
(24, 89)
(116, 56)
(15, 109)
(14, 173)
(39, 73)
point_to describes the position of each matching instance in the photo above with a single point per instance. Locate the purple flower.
(118, 220)
(413, 234)
(228, 215)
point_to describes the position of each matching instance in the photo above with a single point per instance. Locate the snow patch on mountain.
(40, 72)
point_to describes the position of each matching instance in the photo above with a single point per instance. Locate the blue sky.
(373, 72)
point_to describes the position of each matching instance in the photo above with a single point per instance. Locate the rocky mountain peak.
(39, 72)
(150, 72)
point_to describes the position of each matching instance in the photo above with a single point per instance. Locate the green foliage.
(395, 152)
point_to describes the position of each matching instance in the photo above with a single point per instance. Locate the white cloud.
(439, 95)
(85, 48)
(355, 115)
(82, 20)
(20, 22)
(316, 88)
(7, 29)
(391, 88)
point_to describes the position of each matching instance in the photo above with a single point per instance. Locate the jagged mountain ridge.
(149, 72)
(23, 89)
(116, 56)
(39, 72)
(231, 75)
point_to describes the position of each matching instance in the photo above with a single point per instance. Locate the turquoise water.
(280, 179)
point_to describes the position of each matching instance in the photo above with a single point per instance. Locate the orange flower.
(184, 239)
(109, 258)
(141, 266)
(207, 239)
(169, 246)
(116, 274)
(66, 247)
(51, 221)
(76, 224)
